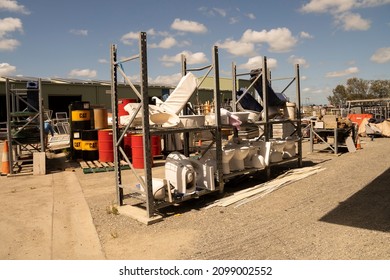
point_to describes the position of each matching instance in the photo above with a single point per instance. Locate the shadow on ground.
(368, 208)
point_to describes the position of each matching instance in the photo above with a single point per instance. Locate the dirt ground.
(342, 213)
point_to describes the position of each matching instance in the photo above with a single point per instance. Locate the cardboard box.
(330, 121)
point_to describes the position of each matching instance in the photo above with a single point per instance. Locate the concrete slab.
(74, 234)
(46, 217)
(138, 214)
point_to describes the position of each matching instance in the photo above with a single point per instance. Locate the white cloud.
(251, 16)
(346, 72)
(213, 11)
(166, 79)
(381, 56)
(306, 35)
(220, 11)
(88, 73)
(166, 43)
(8, 44)
(324, 6)
(298, 60)
(128, 38)
(257, 62)
(192, 58)
(80, 32)
(237, 48)
(233, 20)
(279, 39)
(10, 24)
(103, 60)
(13, 6)
(352, 21)
(188, 26)
(6, 69)
(341, 11)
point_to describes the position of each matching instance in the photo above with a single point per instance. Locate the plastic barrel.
(105, 144)
(137, 151)
(100, 118)
(80, 115)
(76, 144)
(156, 145)
(89, 144)
(127, 145)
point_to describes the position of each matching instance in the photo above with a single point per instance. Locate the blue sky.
(332, 40)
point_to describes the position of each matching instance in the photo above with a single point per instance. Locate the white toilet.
(237, 162)
(248, 159)
(258, 159)
(289, 149)
(277, 147)
(227, 154)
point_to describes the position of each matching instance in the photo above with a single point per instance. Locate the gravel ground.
(342, 212)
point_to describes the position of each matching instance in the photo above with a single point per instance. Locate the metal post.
(115, 124)
(146, 125)
(265, 100)
(217, 104)
(311, 136)
(299, 121)
(41, 117)
(267, 130)
(9, 131)
(234, 89)
(183, 65)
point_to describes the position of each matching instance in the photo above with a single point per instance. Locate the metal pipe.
(127, 59)
(200, 69)
(130, 83)
(250, 86)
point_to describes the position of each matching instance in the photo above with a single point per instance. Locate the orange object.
(358, 146)
(358, 118)
(4, 160)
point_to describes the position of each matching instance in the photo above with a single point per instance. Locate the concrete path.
(46, 217)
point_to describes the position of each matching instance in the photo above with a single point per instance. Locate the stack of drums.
(80, 120)
(92, 140)
(89, 144)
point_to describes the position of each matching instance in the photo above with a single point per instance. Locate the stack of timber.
(244, 196)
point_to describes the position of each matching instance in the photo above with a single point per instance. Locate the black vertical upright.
(217, 104)
(299, 121)
(115, 121)
(145, 122)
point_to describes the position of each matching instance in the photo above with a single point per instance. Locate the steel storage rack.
(266, 124)
(25, 123)
(146, 210)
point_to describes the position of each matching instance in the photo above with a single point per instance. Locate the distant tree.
(359, 89)
(339, 97)
(380, 88)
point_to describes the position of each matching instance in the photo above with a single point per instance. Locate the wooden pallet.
(100, 166)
